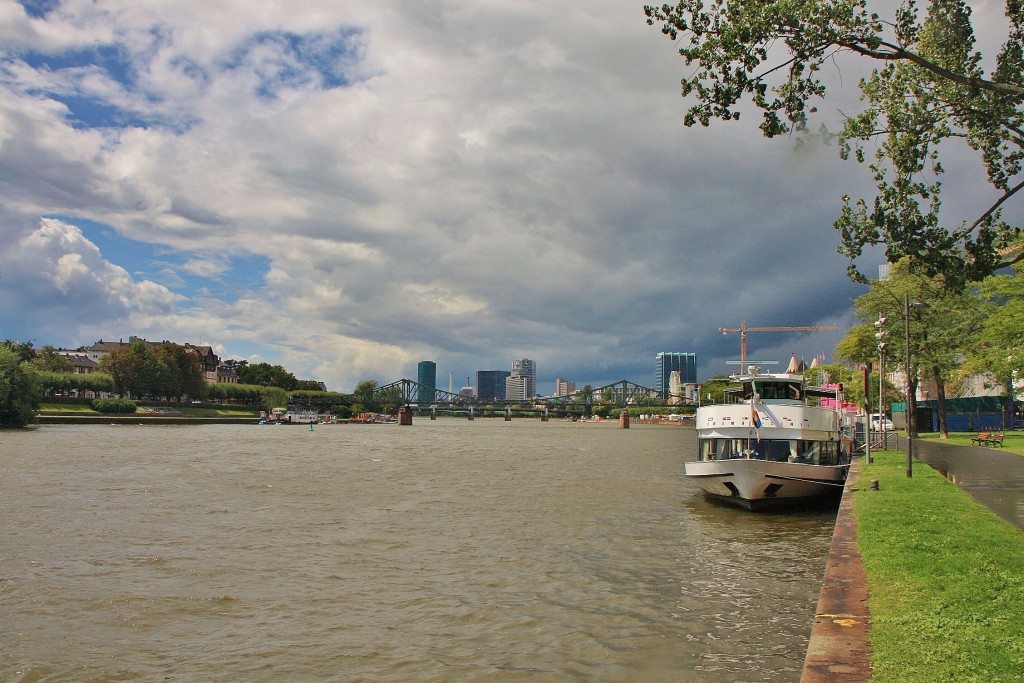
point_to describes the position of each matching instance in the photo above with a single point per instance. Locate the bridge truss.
(621, 393)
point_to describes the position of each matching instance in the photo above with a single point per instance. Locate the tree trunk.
(940, 387)
(1009, 412)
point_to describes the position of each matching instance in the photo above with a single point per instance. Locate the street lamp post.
(880, 336)
(911, 417)
(867, 414)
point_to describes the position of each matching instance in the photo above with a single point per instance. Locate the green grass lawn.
(1012, 441)
(946, 579)
(188, 411)
(77, 408)
(220, 411)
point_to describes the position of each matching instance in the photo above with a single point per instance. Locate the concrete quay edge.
(838, 649)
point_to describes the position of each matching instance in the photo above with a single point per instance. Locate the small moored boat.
(770, 444)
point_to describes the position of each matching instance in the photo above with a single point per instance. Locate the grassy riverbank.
(946, 579)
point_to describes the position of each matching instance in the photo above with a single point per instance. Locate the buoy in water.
(310, 426)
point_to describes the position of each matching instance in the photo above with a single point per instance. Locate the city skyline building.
(667, 362)
(490, 384)
(564, 387)
(516, 388)
(675, 388)
(426, 377)
(527, 369)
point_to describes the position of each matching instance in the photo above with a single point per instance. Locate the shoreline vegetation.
(945, 578)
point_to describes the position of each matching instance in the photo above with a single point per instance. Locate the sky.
(347, 188)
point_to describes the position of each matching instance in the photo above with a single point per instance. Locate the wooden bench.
(987, 439)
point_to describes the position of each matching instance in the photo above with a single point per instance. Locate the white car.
(879, 425)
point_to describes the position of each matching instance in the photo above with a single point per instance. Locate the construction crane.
(743, 329)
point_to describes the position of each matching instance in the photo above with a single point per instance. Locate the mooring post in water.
(405, 416)
(544, 417)
(624, 419)
(508, 413)
(433, 412)
(471, 412)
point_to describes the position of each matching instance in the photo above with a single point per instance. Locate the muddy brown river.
(451, 550)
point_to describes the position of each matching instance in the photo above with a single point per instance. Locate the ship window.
(776, 450)
(723, 449)
(820, 452)
(780, 390)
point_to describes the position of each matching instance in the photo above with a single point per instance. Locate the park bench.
(987, 439)
(980, 440)
(995, 440)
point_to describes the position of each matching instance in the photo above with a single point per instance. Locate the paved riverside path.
(991, 475)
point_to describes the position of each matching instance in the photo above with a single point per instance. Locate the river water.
(451, 550)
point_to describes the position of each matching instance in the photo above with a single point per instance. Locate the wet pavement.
(991, 475)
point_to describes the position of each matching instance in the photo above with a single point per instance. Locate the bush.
(114, 405)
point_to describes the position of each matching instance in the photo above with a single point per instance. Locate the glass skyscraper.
(426, 377)
(684, 363)
(490, 384)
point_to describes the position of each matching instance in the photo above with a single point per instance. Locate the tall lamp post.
(911, 417)
(880, 336)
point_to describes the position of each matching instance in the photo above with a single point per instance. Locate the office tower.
(675, 388)
(426, 377)
(516, 388)
(684, 363)
(526, 369)
(490, 384)
(564, 387)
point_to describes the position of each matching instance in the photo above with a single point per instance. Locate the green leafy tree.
(267, 375)
(23, 350)
(859, 346)
(714, 389)
(928, 96)
(1000, 350)
(389, 400)
(181, 373)
(273, 397)
(250, 393)
(98, 382)
(48, 359)
(587, 397)
(136, 369)
(942, 330)
(20, 389)
(363, 397)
